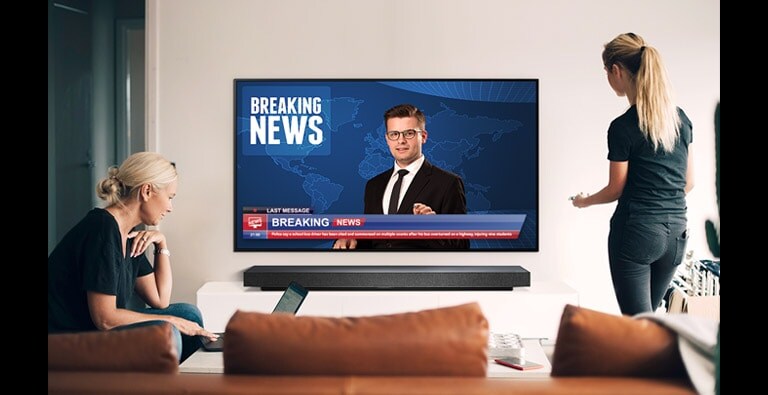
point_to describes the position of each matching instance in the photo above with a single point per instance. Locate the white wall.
(197, 47)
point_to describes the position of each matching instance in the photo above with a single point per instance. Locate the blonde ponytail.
(657, 114)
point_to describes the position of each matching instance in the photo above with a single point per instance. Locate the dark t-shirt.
(655, 188)
(90, 258)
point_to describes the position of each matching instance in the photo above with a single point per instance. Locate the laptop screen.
(289, 303)
(291, 300)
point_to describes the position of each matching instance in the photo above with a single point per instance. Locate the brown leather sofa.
(143, 360)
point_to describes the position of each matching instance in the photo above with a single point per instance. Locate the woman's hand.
(191, 328)
(142, 239)
(580, 200)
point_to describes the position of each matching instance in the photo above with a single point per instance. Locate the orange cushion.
(145, 349)
(439, 342)
(591, 343)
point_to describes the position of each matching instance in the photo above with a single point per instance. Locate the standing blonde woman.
(99, 264)
(650, 174)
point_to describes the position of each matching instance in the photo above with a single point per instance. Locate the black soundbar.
(388, 277)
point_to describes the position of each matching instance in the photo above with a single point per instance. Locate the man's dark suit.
(441, 190)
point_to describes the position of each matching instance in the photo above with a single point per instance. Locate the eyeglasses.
(408, 134)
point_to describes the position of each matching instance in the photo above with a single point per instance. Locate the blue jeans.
(643, 258)
(185, 345)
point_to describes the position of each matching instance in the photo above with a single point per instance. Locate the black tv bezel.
(237, 225)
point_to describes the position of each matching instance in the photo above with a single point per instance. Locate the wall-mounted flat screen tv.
(305, 149)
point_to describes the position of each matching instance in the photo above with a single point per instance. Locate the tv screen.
(306, 148)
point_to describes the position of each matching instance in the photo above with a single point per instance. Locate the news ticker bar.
(377, 226)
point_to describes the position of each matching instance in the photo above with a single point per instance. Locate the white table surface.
(534, 353)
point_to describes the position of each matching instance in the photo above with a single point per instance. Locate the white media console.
(531, 312)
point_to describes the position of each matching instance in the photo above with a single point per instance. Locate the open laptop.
(289, 303)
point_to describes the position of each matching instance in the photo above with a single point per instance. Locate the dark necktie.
(394, 199)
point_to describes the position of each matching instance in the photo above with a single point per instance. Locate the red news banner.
(446, 226)
(362, 234)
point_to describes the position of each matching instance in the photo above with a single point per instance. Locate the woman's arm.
(106, 316)
(155, 288)
(617, 178)
(689, 181)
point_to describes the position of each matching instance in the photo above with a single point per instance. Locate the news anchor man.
(413, 186)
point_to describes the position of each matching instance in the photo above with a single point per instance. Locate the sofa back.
(450, 341)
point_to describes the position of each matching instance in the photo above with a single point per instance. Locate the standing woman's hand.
(143, 239)
(580, 200)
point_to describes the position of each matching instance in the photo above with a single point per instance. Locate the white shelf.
(531, 312)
